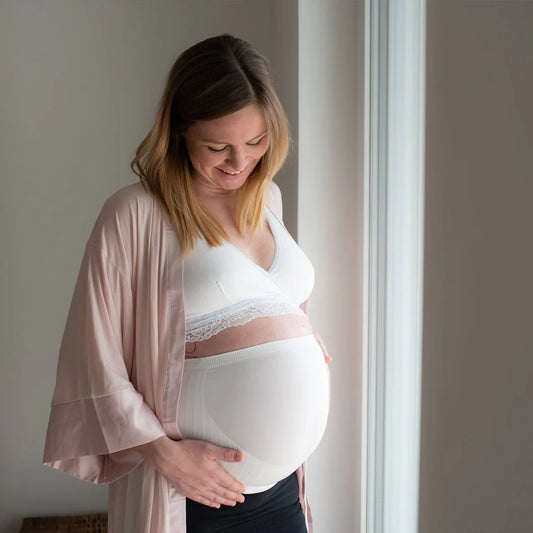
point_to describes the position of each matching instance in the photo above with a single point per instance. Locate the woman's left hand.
(327, 357)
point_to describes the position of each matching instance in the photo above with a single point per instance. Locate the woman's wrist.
(153, 450)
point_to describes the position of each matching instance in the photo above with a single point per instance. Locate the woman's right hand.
(192, 467)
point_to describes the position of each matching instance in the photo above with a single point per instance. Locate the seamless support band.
(270, 401)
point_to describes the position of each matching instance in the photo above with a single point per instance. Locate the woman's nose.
(237, 159)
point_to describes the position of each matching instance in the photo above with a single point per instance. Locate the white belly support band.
(270, 401)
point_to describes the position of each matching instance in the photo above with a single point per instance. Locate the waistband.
(260, 350)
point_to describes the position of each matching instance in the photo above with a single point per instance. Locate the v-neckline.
(276, 248)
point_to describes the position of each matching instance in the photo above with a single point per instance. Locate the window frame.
(395, 33)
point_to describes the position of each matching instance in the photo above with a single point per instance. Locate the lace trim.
(202, 328)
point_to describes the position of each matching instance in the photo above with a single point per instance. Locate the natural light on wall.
(330, 230)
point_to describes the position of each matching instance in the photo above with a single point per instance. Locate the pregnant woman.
(190, 377)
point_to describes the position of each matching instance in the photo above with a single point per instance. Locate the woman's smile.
(231, 173)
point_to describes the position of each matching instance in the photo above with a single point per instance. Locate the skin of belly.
(258, 331)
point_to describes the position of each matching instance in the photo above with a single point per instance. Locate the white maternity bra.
(223, 287)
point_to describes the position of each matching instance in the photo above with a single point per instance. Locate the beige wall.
(79, 82)
(283, 48)
(477, 402)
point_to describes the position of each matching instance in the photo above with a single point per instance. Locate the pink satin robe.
(121, 363)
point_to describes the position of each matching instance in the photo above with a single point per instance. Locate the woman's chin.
(231, 181)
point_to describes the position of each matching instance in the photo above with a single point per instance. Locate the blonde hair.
(211, 79)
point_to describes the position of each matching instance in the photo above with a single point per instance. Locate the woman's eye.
(216, 149)
(256, 143)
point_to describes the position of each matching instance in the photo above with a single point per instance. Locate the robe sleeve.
(97, 414)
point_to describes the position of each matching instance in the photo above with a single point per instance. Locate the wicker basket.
(89, 523)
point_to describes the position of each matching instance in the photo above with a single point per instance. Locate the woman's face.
(225, 150)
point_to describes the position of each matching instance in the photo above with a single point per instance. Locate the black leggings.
(277, 510)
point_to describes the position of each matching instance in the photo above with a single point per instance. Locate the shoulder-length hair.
(211, 79)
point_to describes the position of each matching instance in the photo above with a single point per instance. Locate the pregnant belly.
(270, 401)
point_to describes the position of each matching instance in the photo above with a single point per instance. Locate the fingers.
(196, 471)
(204, 501)
(217, 497)
(231, 484)
(210, 503)
(213, 494)
(225, 454)
(225, 479)
(228, 497)
(227, 485)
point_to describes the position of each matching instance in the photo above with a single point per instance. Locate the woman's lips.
(231, 173)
